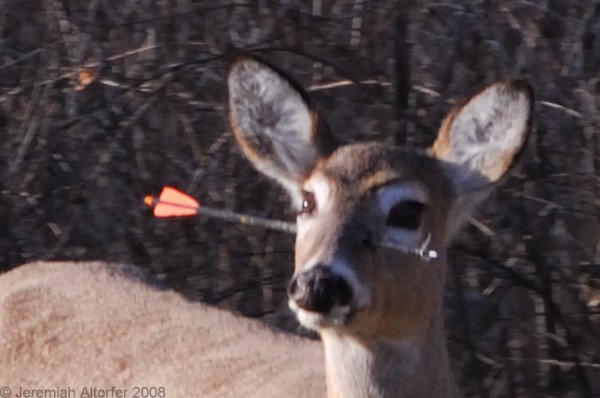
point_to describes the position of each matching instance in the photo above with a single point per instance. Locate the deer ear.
(273, 123)
(481, 138)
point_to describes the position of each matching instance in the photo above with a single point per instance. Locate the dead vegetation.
(102, 102)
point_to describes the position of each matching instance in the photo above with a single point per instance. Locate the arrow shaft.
(291, 228)
(245, 219)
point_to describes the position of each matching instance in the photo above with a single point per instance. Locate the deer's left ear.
(481, 138)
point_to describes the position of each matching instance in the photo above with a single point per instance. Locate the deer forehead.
(354, 171)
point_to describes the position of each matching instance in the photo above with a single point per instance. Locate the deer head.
(350, 197)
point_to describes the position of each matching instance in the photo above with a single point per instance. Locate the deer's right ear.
(273, 124)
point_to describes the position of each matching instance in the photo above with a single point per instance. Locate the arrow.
(174, 203)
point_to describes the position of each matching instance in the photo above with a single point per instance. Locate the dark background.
(524, 283)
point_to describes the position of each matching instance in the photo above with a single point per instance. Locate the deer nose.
(319, 289)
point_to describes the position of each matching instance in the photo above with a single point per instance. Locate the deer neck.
(414, 367)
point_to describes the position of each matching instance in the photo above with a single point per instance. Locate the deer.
(367, 214)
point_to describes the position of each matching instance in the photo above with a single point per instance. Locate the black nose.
(319, 290)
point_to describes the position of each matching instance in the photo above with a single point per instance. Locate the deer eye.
(406, 214)
(309, 204)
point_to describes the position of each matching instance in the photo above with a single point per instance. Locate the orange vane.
(172, 203)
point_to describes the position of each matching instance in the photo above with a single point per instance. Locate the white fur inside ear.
(264, 106)
(272, 122)
(277, 107)
(490, 129)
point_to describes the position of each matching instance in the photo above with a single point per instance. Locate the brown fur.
(393, 346)
(97, 324)
(403, 305)
(72, 324)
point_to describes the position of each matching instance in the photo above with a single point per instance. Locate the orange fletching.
(173, 203)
